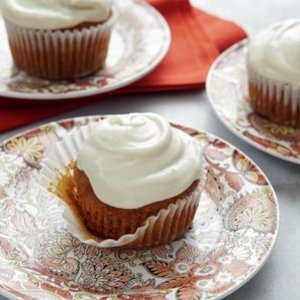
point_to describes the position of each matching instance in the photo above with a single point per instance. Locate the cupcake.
(135, 176)
(273, 63)
(58, 39)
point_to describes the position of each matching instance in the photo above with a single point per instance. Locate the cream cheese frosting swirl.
(275, 52)
(55, 14)
(137, 159)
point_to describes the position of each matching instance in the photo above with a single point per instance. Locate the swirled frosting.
(137, 159)
(275, 52)
(55, 14)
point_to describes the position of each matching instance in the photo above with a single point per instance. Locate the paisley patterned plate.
(233, 233)
(140, 40)
(228, 93)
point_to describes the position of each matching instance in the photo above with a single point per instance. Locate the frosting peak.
(275, 52)
(136, 159)
(55, 14)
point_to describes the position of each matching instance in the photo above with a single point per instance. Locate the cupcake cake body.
(59, 39)
(130, 168)
(274, 73)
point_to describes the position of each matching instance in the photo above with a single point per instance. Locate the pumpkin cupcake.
(274, 73)
(130, 168)
(128, 180)
(58, 39)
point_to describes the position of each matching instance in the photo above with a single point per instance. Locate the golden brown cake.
(111, 222)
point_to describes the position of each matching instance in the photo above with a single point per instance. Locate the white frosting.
(55, 14)
(137, 159)
(275, 53)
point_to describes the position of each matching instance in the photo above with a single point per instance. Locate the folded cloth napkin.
(197, 39)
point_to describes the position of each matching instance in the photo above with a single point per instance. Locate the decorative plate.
(140, 40)
(228, 93)
(233, 233)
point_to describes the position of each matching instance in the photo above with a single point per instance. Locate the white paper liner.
(60, 54)
(156, 229)
(280, 101)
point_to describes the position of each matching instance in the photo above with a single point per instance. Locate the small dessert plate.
(232, 236)
(140, 40)
(228, 94)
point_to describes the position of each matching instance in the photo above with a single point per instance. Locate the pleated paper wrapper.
(275, 100)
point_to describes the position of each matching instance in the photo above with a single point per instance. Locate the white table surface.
(279, 279)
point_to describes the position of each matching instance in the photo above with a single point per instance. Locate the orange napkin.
(197, 39)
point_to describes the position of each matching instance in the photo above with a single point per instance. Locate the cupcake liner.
(169, 224)
(275, 100)
(60, 54)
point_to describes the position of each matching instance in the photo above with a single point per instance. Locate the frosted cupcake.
(136, 171)
(274, 73)
(58, 39)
